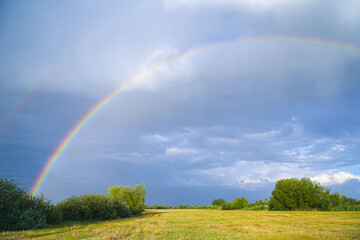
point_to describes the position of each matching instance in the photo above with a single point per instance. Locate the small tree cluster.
(237, 203)
(294, 194)
(218, 202)
(88, 207)
(121, 202)
(132, 197)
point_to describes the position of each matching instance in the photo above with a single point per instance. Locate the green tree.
(239, 203)
(218, 202)
(19, 209)
(259, 202)
(133, 197)
(326, 201)
(335, 200)
(295, 194)
(227, 206)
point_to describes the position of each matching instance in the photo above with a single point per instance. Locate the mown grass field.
(207, 224)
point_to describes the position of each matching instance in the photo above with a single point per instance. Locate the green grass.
(207, 224)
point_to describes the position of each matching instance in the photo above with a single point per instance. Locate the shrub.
(239, 203)
(122, 209)
(218, 202)
(18, 209)
(227, 206)
(73, 208)
(42, 204)
(99, 206)
(133, 197)
(88, 207)
(54, 216)
(31, 219)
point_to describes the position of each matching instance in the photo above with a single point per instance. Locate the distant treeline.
(288, 195)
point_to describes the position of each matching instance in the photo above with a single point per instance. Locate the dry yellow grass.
(208, 224)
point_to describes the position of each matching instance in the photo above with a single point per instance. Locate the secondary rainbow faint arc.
(107, 99)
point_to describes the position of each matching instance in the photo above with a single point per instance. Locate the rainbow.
(111, 96)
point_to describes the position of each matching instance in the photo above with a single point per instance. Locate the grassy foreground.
(207, 224)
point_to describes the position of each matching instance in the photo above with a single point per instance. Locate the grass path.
(207, 224)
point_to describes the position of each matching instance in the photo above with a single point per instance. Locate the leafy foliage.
(294, 194)
(122, 209)
(227, 206)
(237, 203)
(88, 207)
(54, 216)
(19, 210)
(218, 202)
(240, 202)
(133, 197)
(31, 219)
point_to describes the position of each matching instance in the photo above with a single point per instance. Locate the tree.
(133, 197)
(227, 206)
(259, 202)
(335, 200)
(295, 194)
(19, 209)
(239, 203)
(218, 202)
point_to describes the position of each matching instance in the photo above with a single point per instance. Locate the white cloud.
(154, 138)
(224, 141)
(263, 135)
(174, 151)
(254, 174)
(338, 148)
(329, 179)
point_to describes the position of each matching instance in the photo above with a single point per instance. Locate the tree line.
(19, 210)
(295, 195)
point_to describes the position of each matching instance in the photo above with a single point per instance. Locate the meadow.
(207, 224)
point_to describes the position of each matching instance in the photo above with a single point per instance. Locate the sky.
(242, 105)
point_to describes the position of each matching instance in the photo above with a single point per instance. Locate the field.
(207, 224)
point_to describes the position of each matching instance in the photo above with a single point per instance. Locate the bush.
(31, 219)
(122, 209)
(133, 197)
(239, 203)
(73, 208)
(54, 216)
(18, 209)
(88, 207)
(99, 206)
(227, 206)
(42, 204)
(218, 202)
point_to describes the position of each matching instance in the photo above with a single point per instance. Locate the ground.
(207, 224)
